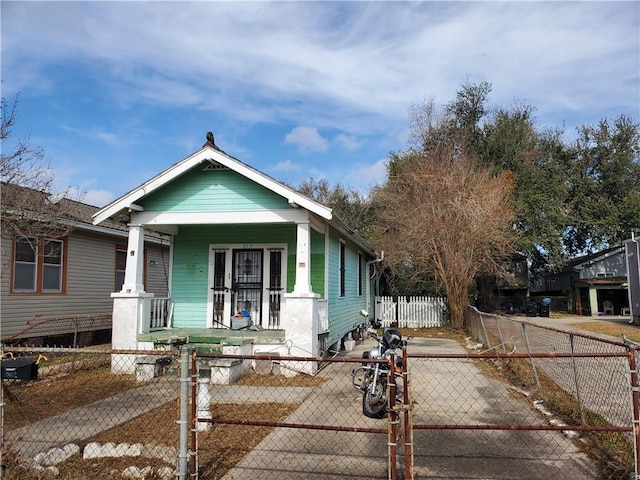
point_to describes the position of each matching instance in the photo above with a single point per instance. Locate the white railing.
(160, 312)
(412, 312)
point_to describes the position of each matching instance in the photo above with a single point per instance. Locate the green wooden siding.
(344, 311)
(191, 257)
(317, 263)
(215, 190)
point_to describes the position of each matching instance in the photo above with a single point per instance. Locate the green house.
(249, 257)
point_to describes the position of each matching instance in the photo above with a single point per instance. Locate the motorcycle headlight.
(392, 338)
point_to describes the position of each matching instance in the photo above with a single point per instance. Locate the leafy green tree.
(352, 207)
(603, 185)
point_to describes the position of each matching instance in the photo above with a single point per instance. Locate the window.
(38, 265)
(360, 274)
(605, 275)
(342, 268)
(121, 267)
(121, 264)
(52, 265)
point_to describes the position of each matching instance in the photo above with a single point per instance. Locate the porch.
(219, 336)
(157, 313)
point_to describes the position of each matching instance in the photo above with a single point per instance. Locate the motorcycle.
(372, 379)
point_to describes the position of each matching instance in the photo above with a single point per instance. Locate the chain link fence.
(519, 402)
(585, 385)
(66, 413)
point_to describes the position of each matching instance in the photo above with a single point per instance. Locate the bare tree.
(447, 218)
(28, 206)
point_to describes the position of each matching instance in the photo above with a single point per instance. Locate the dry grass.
(219, 449)
(613, 329)
(29, 402)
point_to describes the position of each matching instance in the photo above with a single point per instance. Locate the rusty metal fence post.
(393, 421)
(406, 411)
(633, 368)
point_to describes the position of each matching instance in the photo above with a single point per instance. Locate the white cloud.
(98, 198)
(333, 64)
(307, 139)
(347, 141)
(363, 177)
(285, 166)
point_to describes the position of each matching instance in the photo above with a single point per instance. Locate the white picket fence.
(412, 312)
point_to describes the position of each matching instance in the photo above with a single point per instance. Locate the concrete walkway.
(83, 423)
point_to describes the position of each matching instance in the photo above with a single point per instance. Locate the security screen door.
(246, 279)
(246, 285)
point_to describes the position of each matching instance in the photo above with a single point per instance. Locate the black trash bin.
(532, 309)
(545, 307)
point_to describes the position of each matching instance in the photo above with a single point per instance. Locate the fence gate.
(252, 418)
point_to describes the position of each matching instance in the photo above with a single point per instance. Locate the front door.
(245, 280)
(246, 285)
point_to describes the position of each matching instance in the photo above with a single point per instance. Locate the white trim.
(327, 252)
(229, 247)
(208, 154)
(152, 219)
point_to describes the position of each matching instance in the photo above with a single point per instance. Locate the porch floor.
(213, 335)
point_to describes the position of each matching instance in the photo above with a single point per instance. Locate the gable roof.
(71, 213)
(211, 154)
(208, 153)
(587, 260)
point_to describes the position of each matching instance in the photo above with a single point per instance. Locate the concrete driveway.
(444, 392)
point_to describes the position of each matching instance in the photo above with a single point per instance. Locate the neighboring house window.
(38, 265)
(121, 264)
(343, 255)
(360, 274)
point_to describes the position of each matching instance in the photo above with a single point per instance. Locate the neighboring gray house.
(594, 284)
(46, 281)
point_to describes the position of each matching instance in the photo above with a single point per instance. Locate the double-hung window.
(38, 265)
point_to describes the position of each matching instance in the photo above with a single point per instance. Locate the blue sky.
(115, 92)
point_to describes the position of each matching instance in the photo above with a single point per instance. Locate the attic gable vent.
(214, 166)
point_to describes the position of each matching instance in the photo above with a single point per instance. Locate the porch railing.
(160, 312)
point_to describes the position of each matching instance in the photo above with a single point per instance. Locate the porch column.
(593, 301)
(303, 260)
(134, 269)
(130, 305)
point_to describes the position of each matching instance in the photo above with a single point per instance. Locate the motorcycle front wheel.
(374, 400)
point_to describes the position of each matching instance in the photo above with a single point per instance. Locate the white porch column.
(134, 273)
(593, 301)
(303, 260)
(302, 326)
(130, 305)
